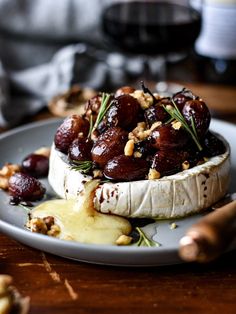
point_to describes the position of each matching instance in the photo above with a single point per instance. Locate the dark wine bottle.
(216, 45)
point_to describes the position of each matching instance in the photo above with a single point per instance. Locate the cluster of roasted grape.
(165, 149)
(24, 186)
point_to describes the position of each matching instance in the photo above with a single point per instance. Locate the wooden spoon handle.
(211, 236)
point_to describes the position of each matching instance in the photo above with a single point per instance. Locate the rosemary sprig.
(177, 115)
(102, 111)
(90, 126)
(144, 241)
(82, 166)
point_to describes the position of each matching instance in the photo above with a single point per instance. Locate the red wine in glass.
(150, 27)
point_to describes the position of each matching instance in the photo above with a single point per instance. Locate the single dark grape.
(124, 112)
(157, 113)
(144, 148)
(126, 168)
(25, 187)
(167, 137)
(69, 130)
(197, 111)
(36, 165)
(80, 149)
(213, 146)
(168, 162)
(109, 144)
(182, 97)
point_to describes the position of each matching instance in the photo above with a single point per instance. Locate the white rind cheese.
(178, 195)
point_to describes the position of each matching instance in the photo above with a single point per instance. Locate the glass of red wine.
(150, 31)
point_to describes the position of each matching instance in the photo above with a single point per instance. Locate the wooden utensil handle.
(211, 236)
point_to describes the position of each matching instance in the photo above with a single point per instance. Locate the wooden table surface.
(57, 285)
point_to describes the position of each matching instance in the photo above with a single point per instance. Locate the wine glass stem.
(155, 68)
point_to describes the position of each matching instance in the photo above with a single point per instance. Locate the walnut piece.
(44, 225)
(185, 165)
(153, 174)
(10, 299)
(6, 172)
(129, 148)
(145, 100)
(124, 240)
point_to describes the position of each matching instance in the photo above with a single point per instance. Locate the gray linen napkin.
(42, 52)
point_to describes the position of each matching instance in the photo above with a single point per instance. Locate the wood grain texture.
(56, 285)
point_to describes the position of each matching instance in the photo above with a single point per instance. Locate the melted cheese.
(79, 221)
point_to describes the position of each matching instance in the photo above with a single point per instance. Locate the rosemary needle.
(175, 113)
(102, 111)
(82, 166)
(144, 240)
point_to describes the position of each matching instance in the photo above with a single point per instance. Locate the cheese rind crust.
(178, 195)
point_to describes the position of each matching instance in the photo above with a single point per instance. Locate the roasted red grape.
(198, 110)
(144, 148)
(80, 149)
(126, 168)
(168, 162)
(124, 112)
(167, 137)
(212, 146)
(35, 165)
(109, 144)
(182, 97)
(25, 187)
(157, 112)
(69, 130)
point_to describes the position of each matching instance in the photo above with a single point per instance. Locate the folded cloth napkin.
(42, 52)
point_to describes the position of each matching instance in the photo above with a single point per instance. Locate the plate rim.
(14, 231)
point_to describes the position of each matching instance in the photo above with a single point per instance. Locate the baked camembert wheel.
(155, 157)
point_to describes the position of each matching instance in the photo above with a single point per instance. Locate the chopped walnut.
(54, 231)
(145, 100)
(4, 183)
(6, 172)
(37, 225)
(97, 173)
(137, 155)
(176, 125)
(44, 225)
(129, 148)
(49, 221)
(185, 165)
(155, 125)
(153, 174)
(173, 226)
(124, 240)
(44, 151)
(10, 298)
(139, 133)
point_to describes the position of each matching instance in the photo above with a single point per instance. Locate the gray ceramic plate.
(19, 142)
